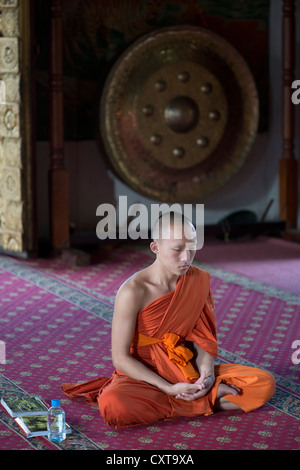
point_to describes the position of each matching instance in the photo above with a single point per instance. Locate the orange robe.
(165, 331)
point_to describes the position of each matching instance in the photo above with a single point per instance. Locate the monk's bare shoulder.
(132, 291)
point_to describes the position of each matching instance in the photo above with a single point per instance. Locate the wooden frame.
(288, 168)
(58, 177)
(29, 151)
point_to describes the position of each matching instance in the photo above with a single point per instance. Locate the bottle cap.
(55, 402)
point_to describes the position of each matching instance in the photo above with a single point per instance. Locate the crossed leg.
(126, 402)
(247, 388)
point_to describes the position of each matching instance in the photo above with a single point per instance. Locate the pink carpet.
(56, 320)
(269, 260)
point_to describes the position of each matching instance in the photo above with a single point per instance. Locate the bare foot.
(225, 389)
(221, 403)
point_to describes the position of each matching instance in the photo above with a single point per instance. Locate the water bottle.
(56, 424)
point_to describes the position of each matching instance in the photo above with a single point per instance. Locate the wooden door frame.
(288, 165)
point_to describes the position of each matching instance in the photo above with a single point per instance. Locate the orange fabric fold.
(89, 390)
(179, 355)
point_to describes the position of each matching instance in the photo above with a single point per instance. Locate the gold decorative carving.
(12, 152)
(13, 165)
(2, 213)
(13, 216)
(10, 26)
(8, 3)
(11, 87)
(9, 120)
(9, 54)
(11, 189)
(1, 157)
(16, 212)
(12, 241)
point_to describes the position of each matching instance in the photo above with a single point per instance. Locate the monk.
(164, 343)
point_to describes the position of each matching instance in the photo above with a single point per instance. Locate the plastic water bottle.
(56, 424)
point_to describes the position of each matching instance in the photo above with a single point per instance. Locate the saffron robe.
(165, 332)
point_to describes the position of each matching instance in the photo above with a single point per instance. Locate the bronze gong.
(178, 114)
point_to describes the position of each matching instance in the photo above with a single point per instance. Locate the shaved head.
(173, 226)
(174, 242)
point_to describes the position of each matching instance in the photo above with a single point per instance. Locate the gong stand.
(288, 164)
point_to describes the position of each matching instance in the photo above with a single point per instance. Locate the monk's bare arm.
(205, 365)
(127, 305)
(205, 362)
(123, 327)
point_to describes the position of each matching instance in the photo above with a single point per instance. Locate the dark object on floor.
(242, 219)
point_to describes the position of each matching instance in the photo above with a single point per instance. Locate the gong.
(178, 114)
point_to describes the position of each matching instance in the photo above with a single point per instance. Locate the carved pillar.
(58, 177)
(17, 209)
(288, 164)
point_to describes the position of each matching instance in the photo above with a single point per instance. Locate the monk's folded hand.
(184, 390)
(206, 383)
(200, 389)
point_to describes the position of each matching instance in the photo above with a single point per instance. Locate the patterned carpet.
(55, 321)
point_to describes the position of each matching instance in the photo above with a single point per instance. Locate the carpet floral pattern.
(55, 322)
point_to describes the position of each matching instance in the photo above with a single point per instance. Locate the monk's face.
(176, 249)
